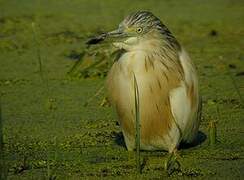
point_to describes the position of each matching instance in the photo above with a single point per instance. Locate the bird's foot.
(172, 164)
(104, 102)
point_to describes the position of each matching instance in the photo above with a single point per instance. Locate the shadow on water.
(119, 139)
(201, 137)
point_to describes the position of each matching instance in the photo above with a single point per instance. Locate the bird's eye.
(139, 30)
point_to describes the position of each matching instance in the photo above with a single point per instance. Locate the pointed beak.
(118, 33)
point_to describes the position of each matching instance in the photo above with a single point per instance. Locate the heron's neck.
(151, 44)
(135, 56)
(155, 46)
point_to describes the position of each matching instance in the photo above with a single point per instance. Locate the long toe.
(172, 164)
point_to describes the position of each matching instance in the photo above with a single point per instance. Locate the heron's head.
(136, 29)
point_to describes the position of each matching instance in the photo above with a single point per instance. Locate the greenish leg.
(172, 164)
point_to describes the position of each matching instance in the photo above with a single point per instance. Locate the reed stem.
(3, 172)
(138, 131)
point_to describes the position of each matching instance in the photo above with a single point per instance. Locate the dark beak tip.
(93, 41)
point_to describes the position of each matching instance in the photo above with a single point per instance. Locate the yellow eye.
(139, 30)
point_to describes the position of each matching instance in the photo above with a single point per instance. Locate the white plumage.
(184, 124)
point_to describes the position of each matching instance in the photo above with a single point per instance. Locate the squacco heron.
(167, 84)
